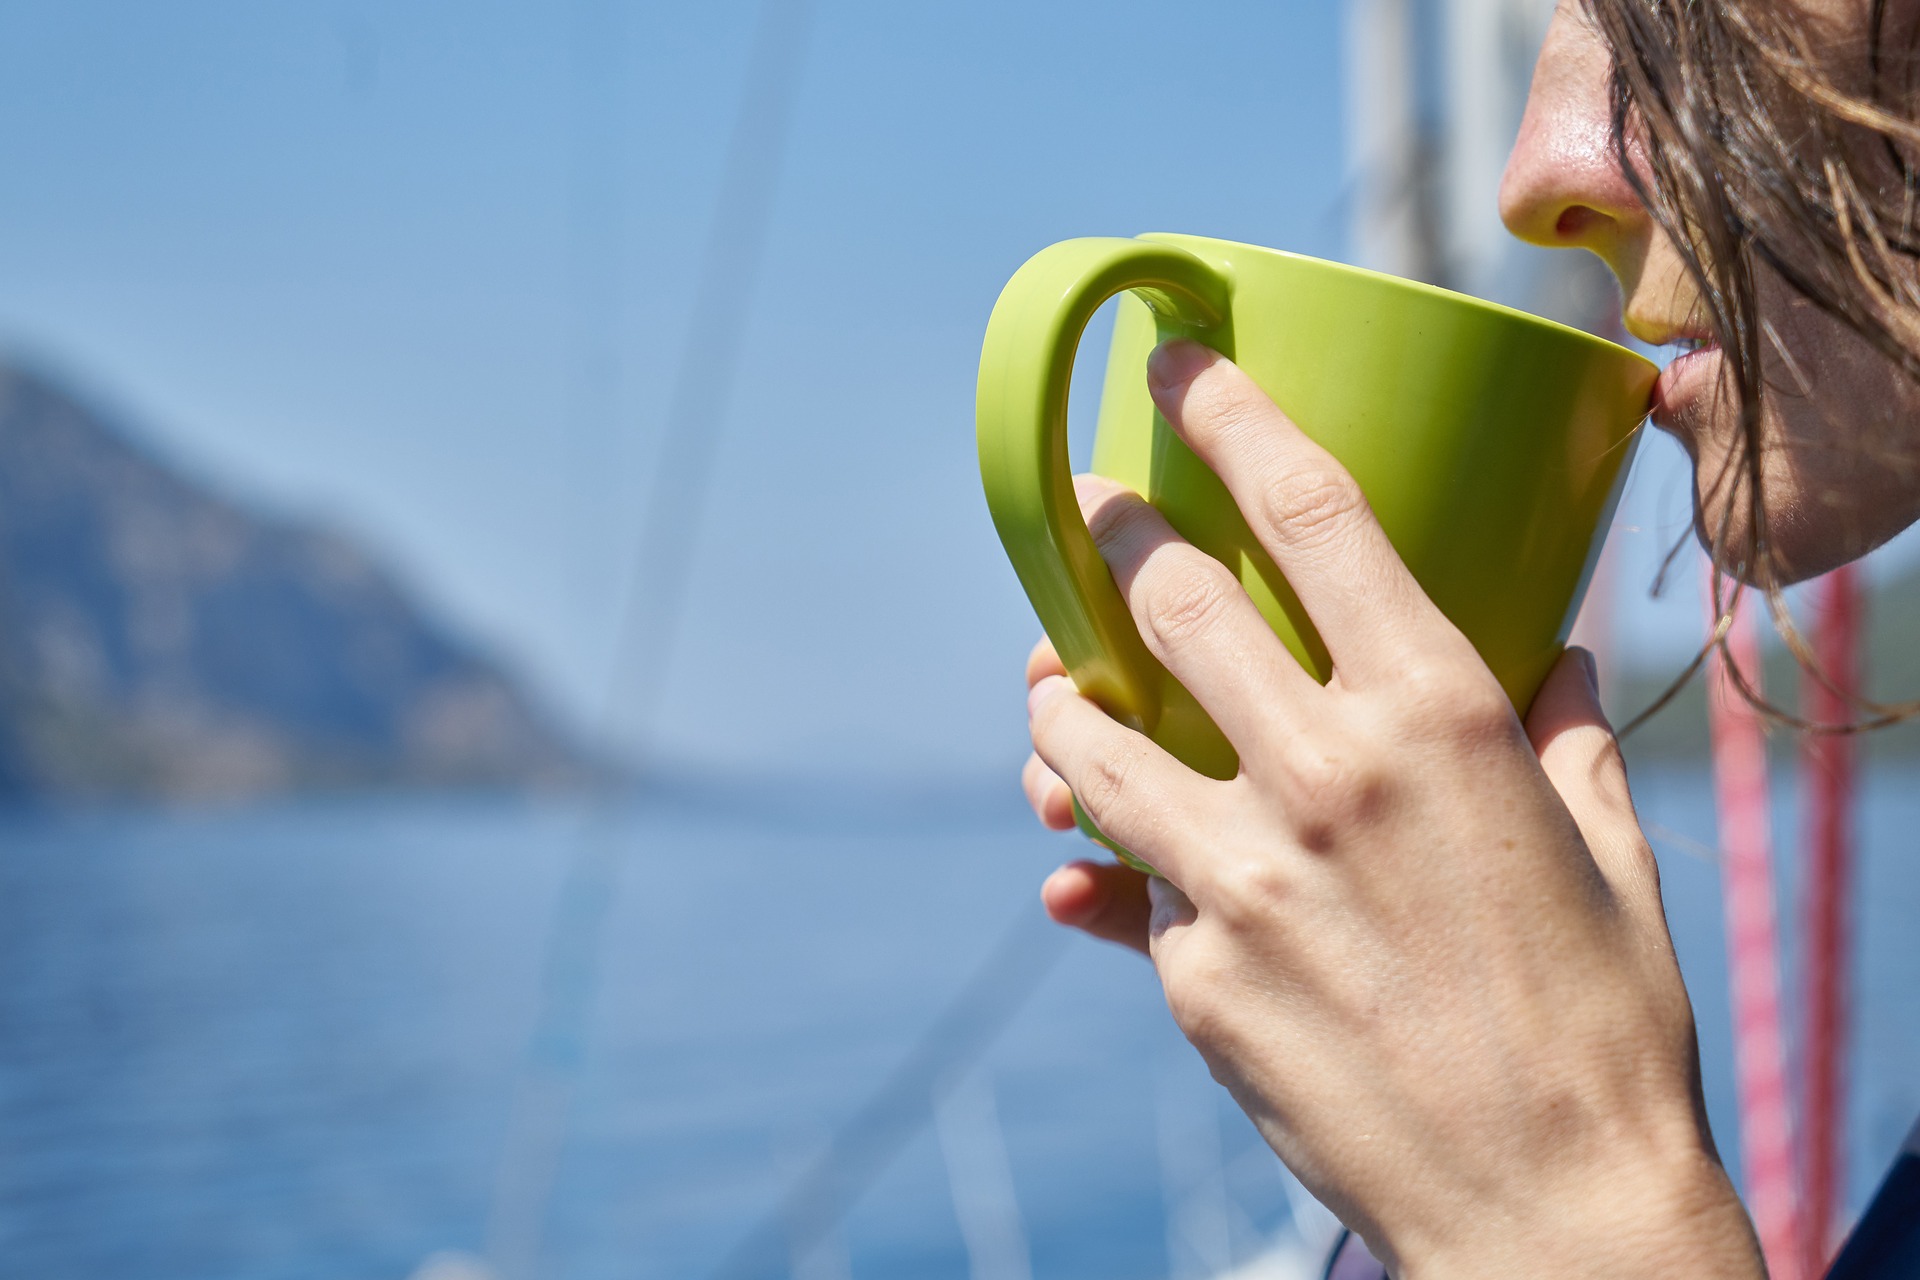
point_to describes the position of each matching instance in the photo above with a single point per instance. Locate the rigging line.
(703, 386)
(655, 595)
(868, 1142)
(595, 264)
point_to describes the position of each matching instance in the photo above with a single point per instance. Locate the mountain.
(159, 640)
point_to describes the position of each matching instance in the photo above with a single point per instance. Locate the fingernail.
(1087, 486)
(1076, 912)
(1176, 363)
(1592, 668)
(1042, 691)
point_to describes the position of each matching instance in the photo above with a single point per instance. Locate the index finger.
(1303, 507)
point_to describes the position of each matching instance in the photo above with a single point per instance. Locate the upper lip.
(1693, 337)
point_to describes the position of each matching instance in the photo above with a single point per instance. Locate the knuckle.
(1485, 715)
(1249, 890)
(1484, 727)
(1104, 785)
(1607, 778)
(1116, 521)
(1438, 698)
(1217, 406)
(1640, 857)
(1421, 680)
(1310, 507)
(1335, 793)
(1197, 993)
(1187, 603)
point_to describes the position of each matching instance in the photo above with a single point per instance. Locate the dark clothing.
(1885, 1245)
(1351, 1261)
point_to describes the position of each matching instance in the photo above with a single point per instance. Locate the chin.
(1839, 477)
(1805, 539)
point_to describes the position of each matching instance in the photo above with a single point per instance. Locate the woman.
(1419, 940)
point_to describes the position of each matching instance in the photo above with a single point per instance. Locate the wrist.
(1677, 1216)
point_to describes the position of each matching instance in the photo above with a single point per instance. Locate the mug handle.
(1021, 419)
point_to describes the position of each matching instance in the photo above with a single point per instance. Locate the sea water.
(291, 1042)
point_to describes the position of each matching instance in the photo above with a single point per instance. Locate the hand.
(1106, 899)
(1421, 943)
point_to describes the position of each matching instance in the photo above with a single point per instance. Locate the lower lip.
(1682, 383)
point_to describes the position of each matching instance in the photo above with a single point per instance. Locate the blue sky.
(423, 269)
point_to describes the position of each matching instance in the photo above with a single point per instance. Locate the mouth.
(1690, 375)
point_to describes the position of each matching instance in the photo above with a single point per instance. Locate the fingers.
(1136, 793)
(1305, 510)
(1051, 800)
(1106, 900)
(1195, 617)
(1043, 662)
(1582, 760)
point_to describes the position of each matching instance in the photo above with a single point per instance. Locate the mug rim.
(1418, 286)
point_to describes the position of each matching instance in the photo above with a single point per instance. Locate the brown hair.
(1763, 149)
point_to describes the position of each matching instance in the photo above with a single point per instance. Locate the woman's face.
(1841, 452)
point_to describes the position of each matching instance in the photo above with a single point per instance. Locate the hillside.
(158, 640)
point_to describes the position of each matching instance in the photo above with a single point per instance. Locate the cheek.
(1710, 433)
(1843, 442)
(1829, 495)
(1722, 505)
(1716, 468)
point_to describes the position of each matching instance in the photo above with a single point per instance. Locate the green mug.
(1491, 444)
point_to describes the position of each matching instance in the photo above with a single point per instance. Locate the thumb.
(1582, 760)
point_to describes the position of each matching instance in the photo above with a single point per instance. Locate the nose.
(1563, 187)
